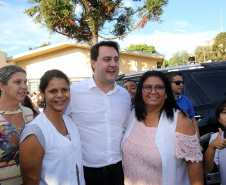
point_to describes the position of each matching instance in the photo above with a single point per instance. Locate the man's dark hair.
(94, 52)
(169, 104)
(171, 75)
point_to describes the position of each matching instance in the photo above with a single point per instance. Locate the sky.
(186, 25)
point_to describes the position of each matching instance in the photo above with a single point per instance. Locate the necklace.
(11, 112)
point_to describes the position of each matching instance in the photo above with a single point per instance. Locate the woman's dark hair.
(135, 83)
(169, 104)
(48, 76)
(220, 107)
(28, 103)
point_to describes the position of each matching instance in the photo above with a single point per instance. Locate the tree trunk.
(94, 36)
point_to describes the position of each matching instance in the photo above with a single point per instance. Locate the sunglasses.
(178, 82)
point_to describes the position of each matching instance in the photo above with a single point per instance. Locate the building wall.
(72, 61)
(134, 63)
(75, 62)
(3, 59)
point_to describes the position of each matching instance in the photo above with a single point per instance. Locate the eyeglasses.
(148, 88)
(178, 82)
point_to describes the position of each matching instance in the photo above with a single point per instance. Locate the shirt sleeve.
(35, 130)
(188, 147)
(191, 110)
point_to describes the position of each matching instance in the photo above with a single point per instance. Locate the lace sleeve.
(187, 147)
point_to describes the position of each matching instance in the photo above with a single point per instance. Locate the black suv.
(204, 85)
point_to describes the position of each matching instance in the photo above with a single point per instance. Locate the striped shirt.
(9, 139)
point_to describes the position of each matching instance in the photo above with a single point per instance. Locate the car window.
(191, 94)
(213, 83)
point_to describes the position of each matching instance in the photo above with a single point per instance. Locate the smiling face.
(57, 95)
(131, 87)
(16, 88)
(106, 67)
(222, 117)
(153, 99)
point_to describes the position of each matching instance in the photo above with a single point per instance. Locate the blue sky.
(187, 24)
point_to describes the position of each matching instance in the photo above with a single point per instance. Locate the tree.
(44, 44)
(165, 63)
(179, 58)
(60, 16)
(220, 45)
(142, 47)
(204, 54)
(184, 57)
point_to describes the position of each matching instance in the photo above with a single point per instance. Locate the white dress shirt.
(100, 118)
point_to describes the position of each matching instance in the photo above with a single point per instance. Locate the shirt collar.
(178, 97)
(92, 84)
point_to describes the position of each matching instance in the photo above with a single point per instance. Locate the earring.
(166, 96)
(3, 92)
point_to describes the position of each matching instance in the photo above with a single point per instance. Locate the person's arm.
(195, 169)
(31, 156)
(194, 122)
(218, 143)
(195, 172)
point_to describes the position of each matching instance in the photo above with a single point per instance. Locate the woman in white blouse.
(50, 149)
(160, 145)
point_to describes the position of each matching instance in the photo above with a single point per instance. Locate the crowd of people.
(96, 132)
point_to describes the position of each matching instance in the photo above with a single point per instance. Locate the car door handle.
(199, 116)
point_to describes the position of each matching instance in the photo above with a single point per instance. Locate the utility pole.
(204, 57)
(221, 22)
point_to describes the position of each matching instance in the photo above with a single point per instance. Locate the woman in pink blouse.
(160, 145)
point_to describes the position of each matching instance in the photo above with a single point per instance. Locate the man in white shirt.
(100, 107)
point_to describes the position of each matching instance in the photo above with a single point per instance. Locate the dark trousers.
(108, 175)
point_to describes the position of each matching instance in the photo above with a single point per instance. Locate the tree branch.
(111, 38)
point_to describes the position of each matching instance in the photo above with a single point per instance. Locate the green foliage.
(142, 47)
(165, 63)
(44, 44)
(179, 58)
(60, 16)
(219, 45)
(204, 54)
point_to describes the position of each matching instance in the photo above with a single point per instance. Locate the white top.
(61, 154)
(220, 159)
(174, 170)
(100, 118)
